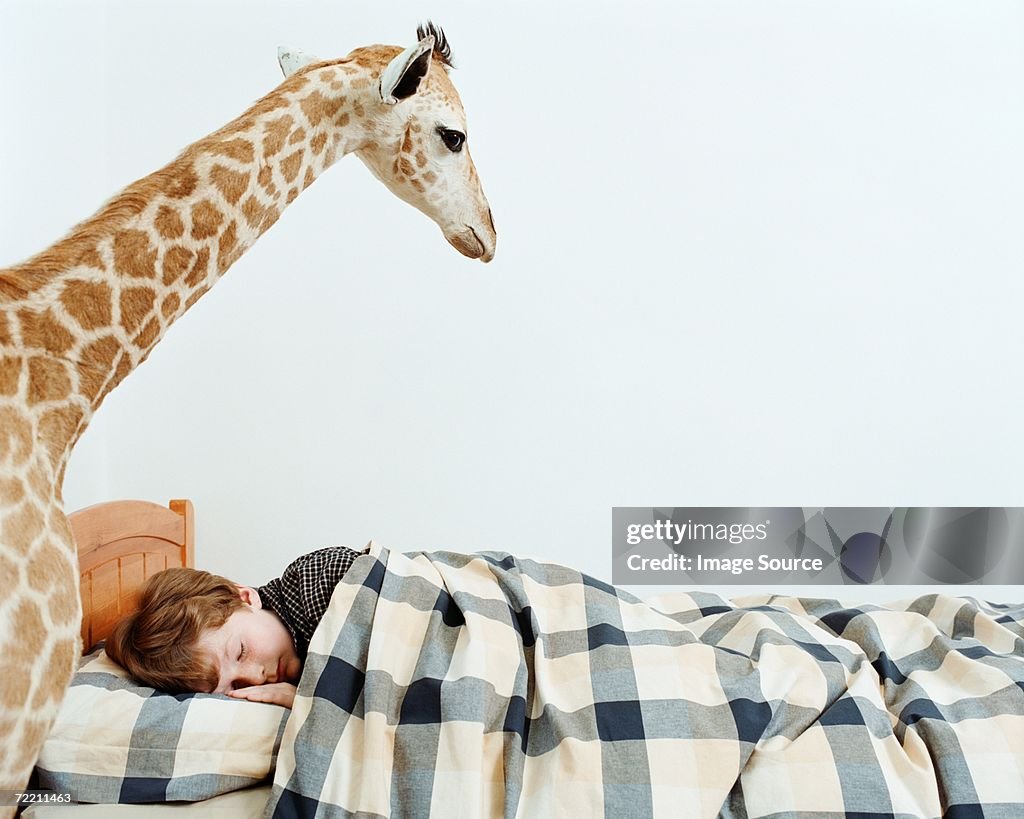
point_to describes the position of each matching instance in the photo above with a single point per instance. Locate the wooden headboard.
(120, 544)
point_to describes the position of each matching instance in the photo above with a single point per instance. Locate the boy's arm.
(281, 693)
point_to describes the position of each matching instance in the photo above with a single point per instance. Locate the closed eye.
(452, 139)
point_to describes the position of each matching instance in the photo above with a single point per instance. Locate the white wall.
(749, 253)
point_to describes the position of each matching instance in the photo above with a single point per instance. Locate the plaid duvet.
(486, 685)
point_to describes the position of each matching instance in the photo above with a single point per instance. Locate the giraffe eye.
(453, 140)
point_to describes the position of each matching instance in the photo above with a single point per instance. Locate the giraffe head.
(414, 136)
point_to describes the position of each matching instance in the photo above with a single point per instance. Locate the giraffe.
(78, 317)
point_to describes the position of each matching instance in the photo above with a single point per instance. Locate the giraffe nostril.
(490, 218)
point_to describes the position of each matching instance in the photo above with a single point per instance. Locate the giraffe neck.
(77, 318)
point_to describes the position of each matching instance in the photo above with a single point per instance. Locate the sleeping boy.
(196, 631)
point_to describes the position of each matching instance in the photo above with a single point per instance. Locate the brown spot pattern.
(21, 528)
(15, 436)
(94, 366)
(14, 692)
(92, 258)
(39, 482)
(90, 381)
(271, 216)
(196, 297)
(10, 375)
(7, 727)
(318, 142)
(170, 305)
(206, 220)
(168, 223)
(8, 569)
(58, 671)
(239, 149)
(298, 135)
(100, 353)
(275, 133)
(64, 607)
(57, 427)
(124, 366)
(149, 334)
(253, 211)
(343, 119)
(243, 123)
(200, 268)
(230, 183)
(134, 255)
(136, 304)
(89, 303)
(12, 491)
(33, 732)
(47, 380)
(226, 254)
(266, 179)
(308, 179)
(183, 181)
(176, 261)
(44, 331)
(27, 619)
(316, 107)
(290, 165)
(48, 566)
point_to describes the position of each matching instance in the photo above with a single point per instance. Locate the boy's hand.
(281, 693)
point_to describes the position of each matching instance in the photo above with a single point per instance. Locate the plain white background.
(749, 253)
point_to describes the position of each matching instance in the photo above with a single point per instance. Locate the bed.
(489, 685)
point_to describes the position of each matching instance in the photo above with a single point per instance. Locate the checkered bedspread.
(485, 685)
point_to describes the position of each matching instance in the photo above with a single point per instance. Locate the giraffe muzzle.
(470, 243)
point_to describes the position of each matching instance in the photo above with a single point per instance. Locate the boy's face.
(253, 647)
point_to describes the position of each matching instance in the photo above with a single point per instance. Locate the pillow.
(117, 741)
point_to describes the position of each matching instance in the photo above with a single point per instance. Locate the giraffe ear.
(401, 78)
(291, 59)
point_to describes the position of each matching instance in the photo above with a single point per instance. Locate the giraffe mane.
(442, 48)
(20, 279)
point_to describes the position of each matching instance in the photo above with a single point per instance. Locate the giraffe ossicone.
(292, 60)
(76, 318)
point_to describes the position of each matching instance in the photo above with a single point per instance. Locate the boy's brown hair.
(157, 645)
